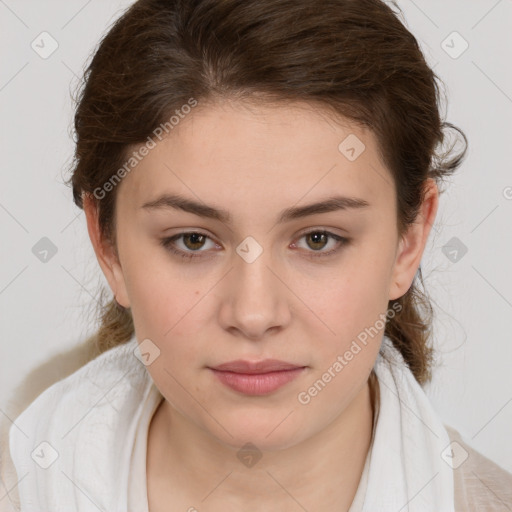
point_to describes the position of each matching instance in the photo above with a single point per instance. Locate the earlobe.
(120, 289)
(405, 264)
(412, 244)
(105, 253)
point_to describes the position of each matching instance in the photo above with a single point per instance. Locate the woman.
(259, 179)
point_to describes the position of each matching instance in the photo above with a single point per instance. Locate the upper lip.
(264, 366)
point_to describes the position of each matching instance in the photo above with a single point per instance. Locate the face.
(254, 274)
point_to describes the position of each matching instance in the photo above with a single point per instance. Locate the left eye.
(194, 241)
(319, 239)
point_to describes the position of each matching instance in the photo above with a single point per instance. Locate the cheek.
(172, 311)
(352, 300)
(158, 306)
(160, 291)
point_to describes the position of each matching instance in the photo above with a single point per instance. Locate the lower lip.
(259, 383)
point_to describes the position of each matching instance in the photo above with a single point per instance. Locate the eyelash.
(168, 244)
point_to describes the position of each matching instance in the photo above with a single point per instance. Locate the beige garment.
(480, 484)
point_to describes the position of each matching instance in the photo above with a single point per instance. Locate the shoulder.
(480, 483)
(69, 381)
(67, 370)
(116, 367)
(38, 380)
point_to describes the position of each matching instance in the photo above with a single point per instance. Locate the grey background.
(46, 306)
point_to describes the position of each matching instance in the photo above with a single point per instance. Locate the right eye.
(192, 240)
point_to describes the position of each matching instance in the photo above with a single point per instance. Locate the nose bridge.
(254, 281)
(256, 298)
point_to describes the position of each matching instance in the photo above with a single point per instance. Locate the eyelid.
(318, 229)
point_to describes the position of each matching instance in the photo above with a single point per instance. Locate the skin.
(255, 161)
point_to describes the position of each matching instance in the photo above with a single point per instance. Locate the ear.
(105, 253)
(412, 244)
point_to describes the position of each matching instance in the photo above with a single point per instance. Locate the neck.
(322, 472)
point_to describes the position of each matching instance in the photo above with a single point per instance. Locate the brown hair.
(353, 57)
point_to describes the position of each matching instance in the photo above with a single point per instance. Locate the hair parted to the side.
(355, 58)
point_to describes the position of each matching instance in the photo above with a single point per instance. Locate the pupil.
(193, 237)
(315, 236)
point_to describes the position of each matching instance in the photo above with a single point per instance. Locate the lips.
(256, 367)
(256, 377)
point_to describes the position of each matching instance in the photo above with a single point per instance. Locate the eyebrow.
(330, 204)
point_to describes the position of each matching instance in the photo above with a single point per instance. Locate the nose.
(255, 298)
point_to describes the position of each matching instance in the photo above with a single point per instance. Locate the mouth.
(257, 378)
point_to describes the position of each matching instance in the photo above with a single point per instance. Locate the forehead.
(226, 150)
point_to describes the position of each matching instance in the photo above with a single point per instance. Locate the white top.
(357, 503)
(137, 488)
